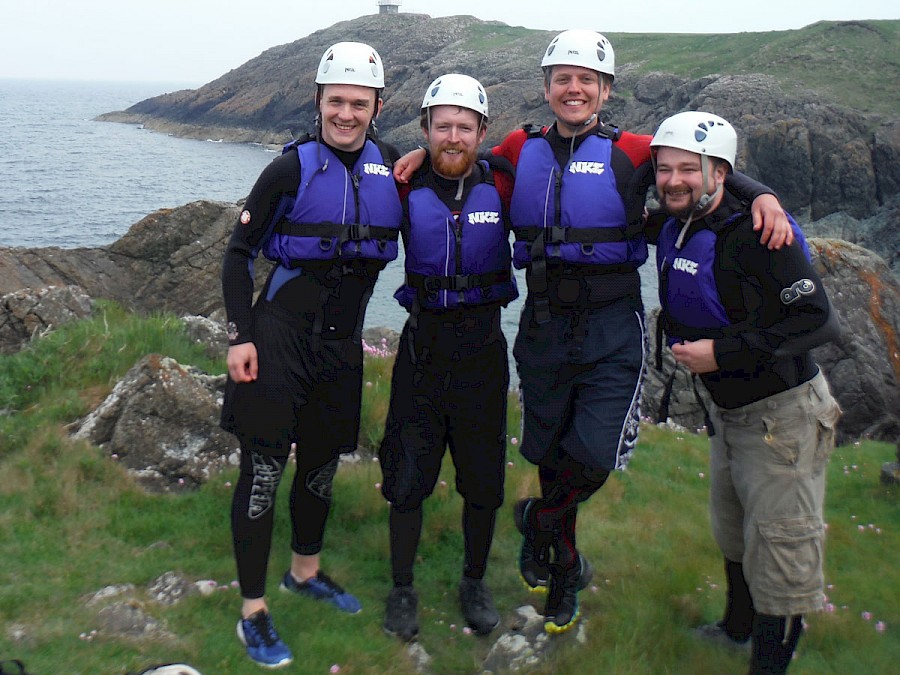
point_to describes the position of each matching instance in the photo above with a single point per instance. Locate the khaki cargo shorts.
(767, 492)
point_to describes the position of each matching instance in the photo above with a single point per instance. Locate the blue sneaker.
(262, 642)
(321, 587)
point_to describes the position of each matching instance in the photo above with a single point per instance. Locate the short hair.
(423, 117)
(605, 78)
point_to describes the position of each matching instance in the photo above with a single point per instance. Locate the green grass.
(850, 63)
(72, 522)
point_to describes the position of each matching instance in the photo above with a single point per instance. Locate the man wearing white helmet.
(327, 213)
(577, 213)
(451, 375)
(744, 319)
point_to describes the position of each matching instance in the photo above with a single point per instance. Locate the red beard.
(453, 166)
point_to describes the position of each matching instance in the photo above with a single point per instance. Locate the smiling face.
(347, 110)
(574, 94)
(453, 139)
(679, 180)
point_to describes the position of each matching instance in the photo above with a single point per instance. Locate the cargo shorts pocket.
(826, 422)
(786, 437)
(789, 557)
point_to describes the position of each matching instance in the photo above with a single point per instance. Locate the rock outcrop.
(27, 313)
(161, 422)
(171, 260)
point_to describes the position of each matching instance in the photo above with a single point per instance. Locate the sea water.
(67, 180)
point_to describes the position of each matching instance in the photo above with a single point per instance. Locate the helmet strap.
(706, 198)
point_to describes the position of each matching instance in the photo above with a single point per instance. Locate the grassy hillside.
(852, 63)
(72, 522)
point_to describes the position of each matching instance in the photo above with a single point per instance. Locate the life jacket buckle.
(459, 282)
(542, 310)
(358, 231)
(555, 234)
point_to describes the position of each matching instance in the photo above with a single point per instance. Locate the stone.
(161, 422)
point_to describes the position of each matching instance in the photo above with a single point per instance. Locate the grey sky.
(195, 41)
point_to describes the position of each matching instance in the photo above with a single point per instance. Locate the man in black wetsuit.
(328, 214)
(451, 376)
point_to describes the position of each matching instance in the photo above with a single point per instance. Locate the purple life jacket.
(574, 214)
(338, 214)
(451, 262)
(691, 303)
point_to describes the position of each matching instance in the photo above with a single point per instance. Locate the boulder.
(29, 313)
(161, 421)
(171, 260)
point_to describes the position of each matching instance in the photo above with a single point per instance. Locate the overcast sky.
(195, 41)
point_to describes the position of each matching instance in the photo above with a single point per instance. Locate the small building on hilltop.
(388, 6)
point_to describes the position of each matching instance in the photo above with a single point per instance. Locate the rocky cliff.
(822, 157)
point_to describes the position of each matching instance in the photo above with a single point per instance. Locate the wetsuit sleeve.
(278, 180)
(787, 304)
(636, 146)
(511, 146)
(634, 177)
(745, 188)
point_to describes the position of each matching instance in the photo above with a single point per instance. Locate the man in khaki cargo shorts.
(744, 318)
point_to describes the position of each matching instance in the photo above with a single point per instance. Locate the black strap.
(294, 144)
(663, 415)
(346, 232)
(556, 234)
(707, 420)
(533, 130)
(610, 131)
(457, 282)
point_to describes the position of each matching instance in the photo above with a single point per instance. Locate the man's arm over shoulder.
(635, 146)
(511, 146)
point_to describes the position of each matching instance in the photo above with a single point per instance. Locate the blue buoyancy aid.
(691, 303)
(687, 284)
(338, 213)
(450, 261)
(576, 212)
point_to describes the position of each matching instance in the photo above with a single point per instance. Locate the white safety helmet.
(351, 63)
(459, 90)
(701, 132)
(581, 47)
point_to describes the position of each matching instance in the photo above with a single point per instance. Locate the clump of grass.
(377, 368)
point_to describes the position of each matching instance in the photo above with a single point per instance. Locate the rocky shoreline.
(169, 261)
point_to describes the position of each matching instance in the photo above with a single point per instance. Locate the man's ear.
(720, 173)
(378, 104)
